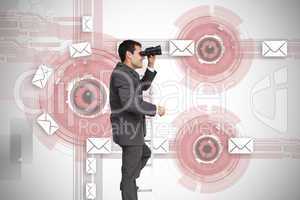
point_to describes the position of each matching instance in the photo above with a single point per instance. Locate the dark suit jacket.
(128, 109)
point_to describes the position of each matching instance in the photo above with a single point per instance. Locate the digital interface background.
(35, 166)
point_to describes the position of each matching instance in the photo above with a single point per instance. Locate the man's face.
(137, 59)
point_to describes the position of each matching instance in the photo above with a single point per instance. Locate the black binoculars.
(151, 51)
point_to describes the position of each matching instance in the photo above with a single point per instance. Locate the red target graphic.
(87, 97)
(220, 58)
(207, 149)
(77, 96)
(210, 49)
(201, 149)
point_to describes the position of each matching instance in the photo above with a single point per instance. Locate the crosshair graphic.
(210, 49)
(77, 96)
(87, 97)
(220, 58)
(207, 149)
(201, 149)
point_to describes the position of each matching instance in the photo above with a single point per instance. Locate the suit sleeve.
(147, 79)
(130, 99)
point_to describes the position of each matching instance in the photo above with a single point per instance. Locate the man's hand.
(161, 110)
(151, 61)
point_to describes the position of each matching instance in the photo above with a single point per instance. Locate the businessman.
(128, 111)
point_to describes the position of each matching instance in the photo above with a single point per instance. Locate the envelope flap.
(91, 164)
(98, 143)
(241, 143)
(182, 45)
(93, 142)
(81, 47)
(160, 144)
(41, 73)
(91, 188)
(275, 46)
(45, 124)
(47, 118)
(87, 18)
(48, 124)
(91, 161)
(78, 48)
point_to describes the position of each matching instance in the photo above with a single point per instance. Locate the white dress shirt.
(151, 69)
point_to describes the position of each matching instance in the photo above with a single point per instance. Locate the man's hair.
(127, 45)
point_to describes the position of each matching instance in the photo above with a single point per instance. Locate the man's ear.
(128, 54)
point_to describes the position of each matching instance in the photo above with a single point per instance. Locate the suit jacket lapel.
(131, 71)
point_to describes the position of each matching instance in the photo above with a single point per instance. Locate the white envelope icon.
(278, 48)
(47, 123)
(91, 166)
(98, 145)
(87, 24)
(160, 145)
(41, 76)
(90, 191)
(80, 50)
(181, 47)
(240, 145)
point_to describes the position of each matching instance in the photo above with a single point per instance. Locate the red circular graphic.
(210, 49)
(186, 153)
(77, 97)
(87, 97)
(220, 58)
(207, 149)
(201, 148)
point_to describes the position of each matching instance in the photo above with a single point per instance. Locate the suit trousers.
(134, 159)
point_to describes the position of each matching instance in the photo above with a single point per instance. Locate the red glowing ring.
(207, 149)
(220, 58)
(76, 127)
(228, 63)
(210, 49)
(204, 171)
(88, 97)
(214, 168)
